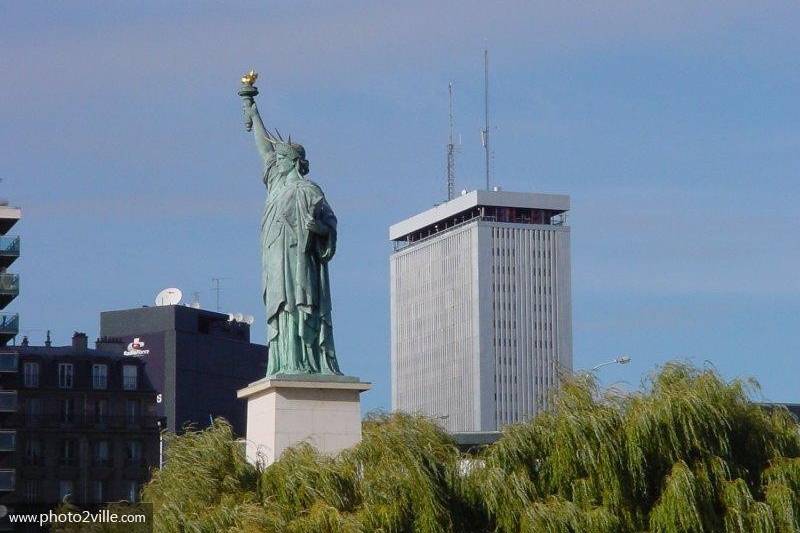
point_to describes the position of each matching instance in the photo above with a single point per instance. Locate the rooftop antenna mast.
(485, 131)
(215, 286)
(451, 152)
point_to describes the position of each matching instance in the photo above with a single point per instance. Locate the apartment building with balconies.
(9, 327)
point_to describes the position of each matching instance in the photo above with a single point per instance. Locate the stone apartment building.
(75, 422)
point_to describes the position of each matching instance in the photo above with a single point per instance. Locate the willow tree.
(690, 453)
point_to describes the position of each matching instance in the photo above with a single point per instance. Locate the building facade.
(196, 360)
(481, 318)
(9, 327)
(82, 426)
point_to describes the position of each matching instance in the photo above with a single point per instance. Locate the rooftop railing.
(466, 218)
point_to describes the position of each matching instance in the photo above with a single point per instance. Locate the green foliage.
(207, 487)
(690, 453)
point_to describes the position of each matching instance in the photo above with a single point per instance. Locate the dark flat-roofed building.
(196, 359)
(82, 423)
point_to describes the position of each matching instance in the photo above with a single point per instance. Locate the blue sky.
(673, 127)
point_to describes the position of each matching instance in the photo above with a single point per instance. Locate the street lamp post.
(621, 360)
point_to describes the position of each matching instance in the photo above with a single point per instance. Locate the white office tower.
(481, 308)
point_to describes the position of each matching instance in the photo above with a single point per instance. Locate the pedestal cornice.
(303, 381)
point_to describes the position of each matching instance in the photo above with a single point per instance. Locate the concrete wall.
(531, 316)
(435, 348)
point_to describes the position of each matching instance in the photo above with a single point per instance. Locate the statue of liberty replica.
(298, 240)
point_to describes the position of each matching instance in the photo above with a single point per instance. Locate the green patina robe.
(296, 289)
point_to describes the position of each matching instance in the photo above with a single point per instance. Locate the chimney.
(47, 341)
(80, 342)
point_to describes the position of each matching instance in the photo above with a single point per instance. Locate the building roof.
(7, 211)
(8, 217)
(155, 319)
(558, 203)
(53, 352)
(470, 441)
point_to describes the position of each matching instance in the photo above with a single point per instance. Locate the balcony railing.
(9, 250)
(57, 421)
(9, 245)
(33, 459)
(9, 284)
(67, 461)
(8, 401)
(9, 324)
(8, 362)
(8, 441)
(7, 480)
(99, 381)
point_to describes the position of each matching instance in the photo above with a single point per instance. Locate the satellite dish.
(171, 296)
(249, 319)
(230, 317)
(239, 317)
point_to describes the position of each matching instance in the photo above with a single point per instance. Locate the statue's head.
(289, 155)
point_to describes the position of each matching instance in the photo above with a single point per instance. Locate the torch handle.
(248, 93)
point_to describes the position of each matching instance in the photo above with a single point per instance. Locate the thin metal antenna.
(215, 286)
(451, 152)
(485, 131)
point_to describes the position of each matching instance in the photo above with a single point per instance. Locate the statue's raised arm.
(252, 118)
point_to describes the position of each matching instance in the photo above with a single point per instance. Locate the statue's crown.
(286, 148)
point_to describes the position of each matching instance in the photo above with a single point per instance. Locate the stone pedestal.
(284, 410)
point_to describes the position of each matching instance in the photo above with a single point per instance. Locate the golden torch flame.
(250, 78)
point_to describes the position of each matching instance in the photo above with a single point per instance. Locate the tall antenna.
(215, 286)
(485, 131)
(451, 152)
